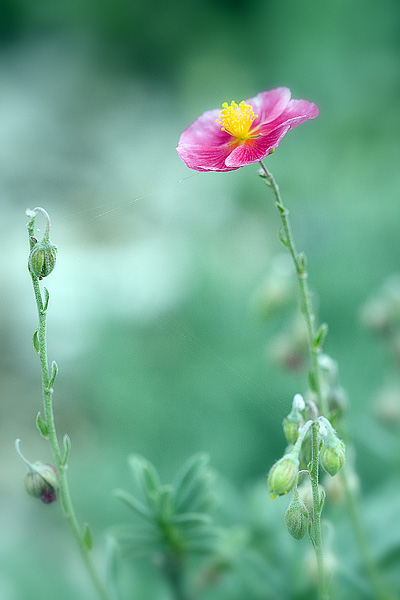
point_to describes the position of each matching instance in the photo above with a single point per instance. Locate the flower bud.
(292, 423)
(332, 454)
(297, 517)
(283, 475)
(41, 482)
(42, 258)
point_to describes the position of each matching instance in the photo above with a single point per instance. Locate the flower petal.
(205, 131)
(296, 112)
(205, 158)
(269, 105)
(255, 149)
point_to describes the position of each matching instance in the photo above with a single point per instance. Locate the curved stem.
(47, 391)
(305, 295)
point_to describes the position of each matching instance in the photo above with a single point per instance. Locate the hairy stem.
(305, 295)
(314, 349)
(60, 463)
(316, 518)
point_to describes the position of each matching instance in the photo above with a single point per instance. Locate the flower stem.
(314, 349)
(316, 377)
(316, 519)
(305, 295)
(60, 459)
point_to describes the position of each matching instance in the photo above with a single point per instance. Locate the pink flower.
(242, 134)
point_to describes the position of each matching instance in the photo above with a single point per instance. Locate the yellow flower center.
(236, 119)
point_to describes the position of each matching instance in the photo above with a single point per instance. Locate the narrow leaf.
(145, 476)
(165, 504)
(54, 371)
(35, 340)
(302, 262)
(42, 426)
(282, 238)
(191, 519)
(190, 471)
(322, 499)
(87, 536)
(46, 299)
(67, 449)
(284, 211)
(133, 503)
(320, 336)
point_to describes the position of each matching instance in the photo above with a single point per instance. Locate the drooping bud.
(292, 423)
(297, 517)
(283, 475)
(332, 454)
(42, 258)
(41, 480)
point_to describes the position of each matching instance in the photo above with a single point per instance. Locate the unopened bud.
(42, 258)
(297, 517)
(292, 423)
(332, 454)
(283, 475)
(41, 482)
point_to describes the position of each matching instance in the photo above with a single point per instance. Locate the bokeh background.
(152, 315)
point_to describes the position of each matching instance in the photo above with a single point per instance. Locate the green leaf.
(46, 299)
(146, 479)
(311, 381)
(87, 536)
(322, 499)
(35, 340)
(191, 519)
(67, 449)
(320, 336)
(54, 371)
(166, 509)
(193, 492)
(302, 262)
(282, 238)
(134, 503)
(42, 426)
(283, 211)
(190, 471)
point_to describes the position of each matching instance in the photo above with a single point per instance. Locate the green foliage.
(172, 519)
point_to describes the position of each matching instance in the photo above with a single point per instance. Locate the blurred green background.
(151, 320)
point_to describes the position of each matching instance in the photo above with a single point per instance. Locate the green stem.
(380, 590)
(47, 391)
(305, 295)
(317, 509)
(314, 349)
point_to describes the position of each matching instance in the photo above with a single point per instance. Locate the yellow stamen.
(237, 120)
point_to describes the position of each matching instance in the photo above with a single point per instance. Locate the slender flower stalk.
(315, 340)
(315, 337)
(48, 426)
